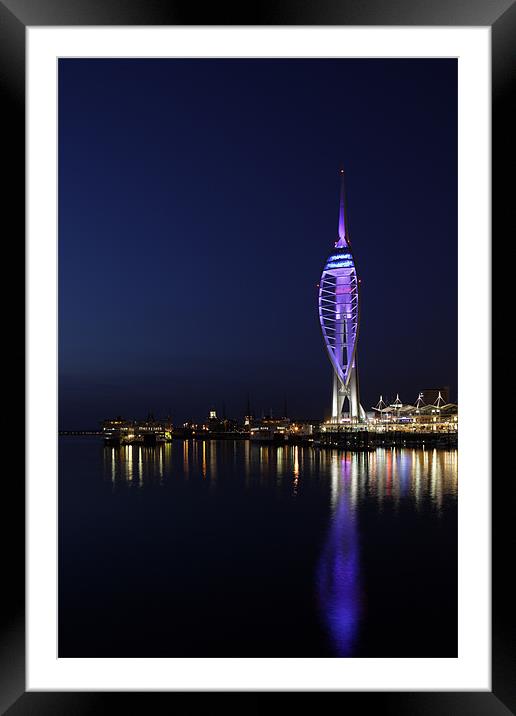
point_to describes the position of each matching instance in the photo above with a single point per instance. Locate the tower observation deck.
(339, 315)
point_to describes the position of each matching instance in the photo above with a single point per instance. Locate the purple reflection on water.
(338, 573)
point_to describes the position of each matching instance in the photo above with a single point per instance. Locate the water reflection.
(204, 463)
(389, 476)
(338, 571)
(346, 488)
(129, 462)
(296, 470)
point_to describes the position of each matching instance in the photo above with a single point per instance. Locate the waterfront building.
(339, 316)
(303, 429)
(220, 425)
(268, 429)
(439, 416)
(118, 431)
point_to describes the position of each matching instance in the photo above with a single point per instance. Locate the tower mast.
(343, 240)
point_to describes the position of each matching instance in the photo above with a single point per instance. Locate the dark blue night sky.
(198, 201)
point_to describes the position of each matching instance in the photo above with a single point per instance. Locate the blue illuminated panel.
(339, 264)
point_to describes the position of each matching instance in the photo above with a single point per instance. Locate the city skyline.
(191, 241)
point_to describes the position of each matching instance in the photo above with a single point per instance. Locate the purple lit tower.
(339, 314)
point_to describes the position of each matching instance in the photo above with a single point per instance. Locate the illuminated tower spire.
(343, 241)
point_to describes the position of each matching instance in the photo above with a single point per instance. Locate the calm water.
(223, 548)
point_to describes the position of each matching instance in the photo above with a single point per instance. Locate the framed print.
(258, 363)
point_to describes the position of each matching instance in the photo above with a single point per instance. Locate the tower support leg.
(338, 399)
(354, 400)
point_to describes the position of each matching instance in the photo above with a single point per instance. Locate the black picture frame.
(15, 16)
